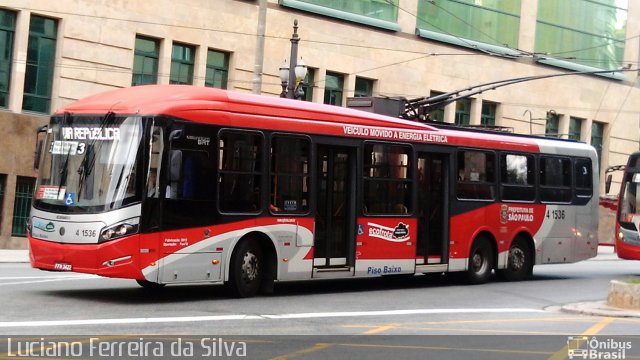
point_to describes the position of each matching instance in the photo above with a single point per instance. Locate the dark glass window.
(217, 69)
(289, 175)
(476, 175)
(517, 174)
(7, 33)
(463, 112)
(22, 205)
(575, 128)
(145, 61)
(41, 50)
(555, 179)
(240, 171)
(182, 63)
(584, 177)
(364, 87)
(552, 125)
(488, 116)
(333, 89)
(387, 179)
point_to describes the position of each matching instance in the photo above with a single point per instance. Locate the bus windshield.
(630, 204)
(90, 164)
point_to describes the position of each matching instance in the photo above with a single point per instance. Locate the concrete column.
(19, 66)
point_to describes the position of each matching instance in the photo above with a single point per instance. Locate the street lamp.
(295, 73)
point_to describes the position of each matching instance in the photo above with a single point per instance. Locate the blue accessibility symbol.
(70, 199)
(360, 229)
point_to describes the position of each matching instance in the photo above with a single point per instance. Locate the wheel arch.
(492, 240)
(269, 252)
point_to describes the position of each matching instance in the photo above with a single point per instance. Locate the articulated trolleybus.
(178, 184)
(628, 216)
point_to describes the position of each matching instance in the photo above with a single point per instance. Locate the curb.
(599, 308)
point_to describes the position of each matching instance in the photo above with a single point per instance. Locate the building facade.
(53, 53)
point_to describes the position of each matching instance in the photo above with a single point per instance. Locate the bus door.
(334, 237)
(432, 209)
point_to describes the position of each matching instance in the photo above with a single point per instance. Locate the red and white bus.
(177, 184)
(628, 215)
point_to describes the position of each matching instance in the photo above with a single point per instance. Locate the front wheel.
(519, 262)
(245, 271)
(481, 260)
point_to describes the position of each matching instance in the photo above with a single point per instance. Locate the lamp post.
(291, 76)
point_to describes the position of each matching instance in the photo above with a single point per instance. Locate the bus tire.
(245, 270)
(150, 285)
(519, 261)
(481, 261)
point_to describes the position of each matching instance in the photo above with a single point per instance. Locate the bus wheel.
(519, 262)
(150, 285)
(481, 260)
(245, 271)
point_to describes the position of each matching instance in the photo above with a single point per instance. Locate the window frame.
(490, 185)
(272, 172)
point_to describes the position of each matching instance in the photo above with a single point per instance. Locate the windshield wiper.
(66, 120)
(89, 158)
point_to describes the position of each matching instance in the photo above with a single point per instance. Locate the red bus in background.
(170, 184)
(628, 215)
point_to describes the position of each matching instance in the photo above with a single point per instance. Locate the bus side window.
(289, 174)
(476, 175)
(239, 171)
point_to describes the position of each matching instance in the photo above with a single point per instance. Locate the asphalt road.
(321, 319)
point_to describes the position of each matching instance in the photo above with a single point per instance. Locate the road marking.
(50, 279)
(380, 329)
(593, 330)
(39, 323)
(293, 355)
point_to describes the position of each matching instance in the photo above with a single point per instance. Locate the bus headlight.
(125, 228)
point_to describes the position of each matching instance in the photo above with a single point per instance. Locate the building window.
(551, 128)
(308, 84)
(333, 88)
(145, 61)
(217, 69)
(494, 23)
(597, 138)
(488, 116)
(378, 13)
(7, 32)
(3, 181)
(587, 32)
(182, 63)
(22, 205)
(575, 128)
(463, 112)
(364, 87)
(289, 175)
(436, 114)
(41, 57)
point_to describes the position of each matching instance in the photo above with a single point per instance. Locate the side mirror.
(39, 142)
(607, 185)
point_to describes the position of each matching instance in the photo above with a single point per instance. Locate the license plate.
(62, 267)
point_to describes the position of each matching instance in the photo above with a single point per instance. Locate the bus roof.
(257, 111)
(177, 99)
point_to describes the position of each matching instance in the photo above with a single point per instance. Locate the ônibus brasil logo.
(584, 347)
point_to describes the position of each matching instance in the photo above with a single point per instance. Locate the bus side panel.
(504, 221)
(386, 246)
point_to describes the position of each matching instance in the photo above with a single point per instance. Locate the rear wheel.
(481, 260)
(519, 262)
(245, 271)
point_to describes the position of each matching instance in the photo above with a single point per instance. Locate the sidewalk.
(14, 256)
